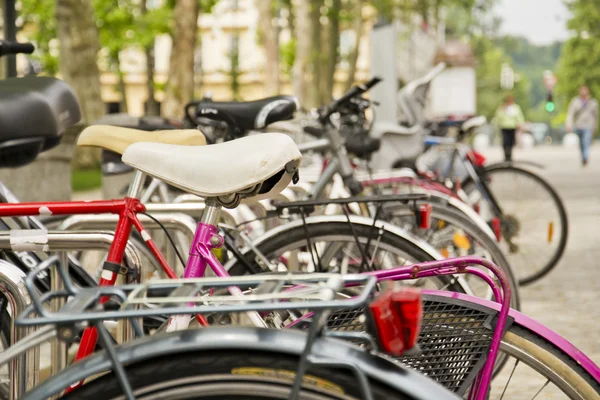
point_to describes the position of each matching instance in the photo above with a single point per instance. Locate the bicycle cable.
(168, 237)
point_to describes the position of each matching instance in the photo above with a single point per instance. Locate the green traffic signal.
(550, 107)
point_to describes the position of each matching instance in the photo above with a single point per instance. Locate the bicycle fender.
(283, 341)
(469, 212)
(464, 208)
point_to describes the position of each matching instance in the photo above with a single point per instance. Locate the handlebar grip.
(353, 92)
(15, 48)
(314, 131)
(374, 81)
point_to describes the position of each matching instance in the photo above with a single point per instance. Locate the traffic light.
(550, 106)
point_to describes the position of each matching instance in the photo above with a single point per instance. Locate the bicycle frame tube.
(331, 169)
(339, 162)
(479, 183)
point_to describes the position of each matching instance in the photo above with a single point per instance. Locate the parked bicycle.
(459, 326)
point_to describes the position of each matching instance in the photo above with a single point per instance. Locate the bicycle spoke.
(542, 388)
(509, 378)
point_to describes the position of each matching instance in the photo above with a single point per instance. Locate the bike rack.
(24, 370)
(174, 221)
(177, 221)
(12, 285)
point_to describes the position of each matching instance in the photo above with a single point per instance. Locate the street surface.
(568, 299)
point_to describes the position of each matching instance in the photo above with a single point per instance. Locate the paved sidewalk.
(568, 299)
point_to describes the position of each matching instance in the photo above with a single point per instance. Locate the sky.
(540, 21)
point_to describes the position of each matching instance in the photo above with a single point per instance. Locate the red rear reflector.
(476, 208)
(496, 228)
(479, 159)
(476, 158)
(425, 216)
(397, 315)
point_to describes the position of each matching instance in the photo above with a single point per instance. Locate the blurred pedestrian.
(583, 116)
(509, 118)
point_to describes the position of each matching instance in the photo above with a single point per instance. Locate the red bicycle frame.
(127, 209)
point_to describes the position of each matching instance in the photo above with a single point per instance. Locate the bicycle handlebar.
(355, 91)
(7, 48)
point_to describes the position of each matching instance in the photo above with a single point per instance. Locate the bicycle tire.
(460, 219)
(549, 355)
(227, 374)
(560, 207)
(326, 228)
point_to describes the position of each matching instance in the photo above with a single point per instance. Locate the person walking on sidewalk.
(509, 118)
(583, 116)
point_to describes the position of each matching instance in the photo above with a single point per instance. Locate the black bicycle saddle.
(34, 113)
(248, 115)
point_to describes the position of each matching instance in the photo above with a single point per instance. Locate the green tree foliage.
(39, 24)
(120, 24)
(578, 64)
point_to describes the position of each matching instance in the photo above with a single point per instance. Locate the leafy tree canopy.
(578, 64)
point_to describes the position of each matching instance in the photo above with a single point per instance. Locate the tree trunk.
(316, 59)
(151, 103)
(79, 45)
(322, 62)
(303, 51)
(357, 28)
(270, 37)
(331, 52)
(291, 14)
(123, 89)
(123, 108)
(180, 85)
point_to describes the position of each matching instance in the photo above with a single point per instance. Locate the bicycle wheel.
(336, 248)
(454, 234)
(228, 375)
(549, 369)
(534, 222)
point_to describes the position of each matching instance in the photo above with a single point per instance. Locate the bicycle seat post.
(211, 213)
(135, 190)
